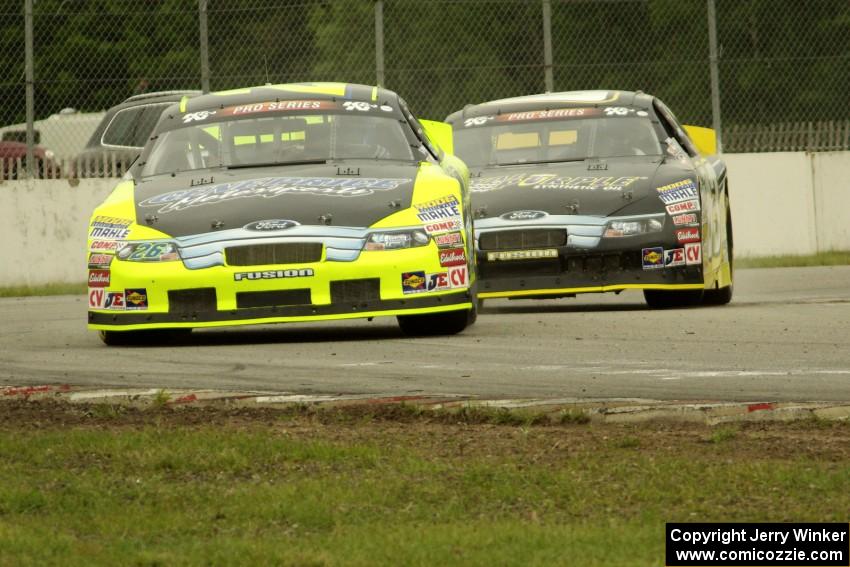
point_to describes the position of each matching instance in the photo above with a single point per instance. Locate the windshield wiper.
(276, 163)
(536, 161)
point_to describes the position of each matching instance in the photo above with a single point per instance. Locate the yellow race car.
(297, 202)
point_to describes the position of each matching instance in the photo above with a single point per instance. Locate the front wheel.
(658, 299)
(159, 337)
(449, 323)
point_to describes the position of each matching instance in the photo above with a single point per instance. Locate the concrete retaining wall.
(43, 228)
(782, 203)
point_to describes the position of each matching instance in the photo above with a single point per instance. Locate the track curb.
(615, 410)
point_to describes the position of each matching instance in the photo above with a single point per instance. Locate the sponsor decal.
(443, 208)
(115, 301)
(555, 114)
(459, 276)
(678, 191)
(115, 233)
(552, 181)
(96, 295)
(693, 254)
(453, 257)
(687, 235)
(523, 215)
(99, 278)
(100, 260)
(413, 282)
(276, 106)
(274, 274)
(686, 219)
(448, 239)
(135, 299)
(653, 258)
(675, 257)
(683, 207)
(268, 188)
(437, 282)
(275, 224)
(151, 252)
(443, 226)
(104, 221)
(522, 255)
(105, 245)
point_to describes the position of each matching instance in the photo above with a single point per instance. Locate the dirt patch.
(456, 433)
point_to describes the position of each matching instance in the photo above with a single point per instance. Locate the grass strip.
(46, 289)
(101, 485)
(835, 258)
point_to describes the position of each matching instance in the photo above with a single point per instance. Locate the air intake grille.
(352, 291)
(522, 239)
(188, 301)
(248, 299)
(280, 253)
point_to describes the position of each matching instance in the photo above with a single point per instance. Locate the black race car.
(595, 191)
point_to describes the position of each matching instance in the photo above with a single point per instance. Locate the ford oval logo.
(523, 215)
(274, 224)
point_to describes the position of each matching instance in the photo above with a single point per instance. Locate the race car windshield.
(272, 140)
(502, 142)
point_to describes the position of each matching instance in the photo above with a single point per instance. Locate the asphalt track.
(785, 337)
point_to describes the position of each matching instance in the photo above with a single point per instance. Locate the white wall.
(782, 203)
(43, 228)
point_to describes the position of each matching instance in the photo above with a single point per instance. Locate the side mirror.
(440, 134)
(705, 139)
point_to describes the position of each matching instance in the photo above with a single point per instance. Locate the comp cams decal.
(552, 181)
(443, 226)
(269, 187)
(684, 207)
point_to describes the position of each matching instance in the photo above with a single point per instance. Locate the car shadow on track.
(289, 334)
(503, 309)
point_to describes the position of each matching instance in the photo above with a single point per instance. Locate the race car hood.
(589, 187)
(354, 194)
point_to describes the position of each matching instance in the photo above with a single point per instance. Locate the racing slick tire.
(449, 323)
(162, 337)
(658, 299)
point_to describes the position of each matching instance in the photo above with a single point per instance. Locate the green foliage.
(780, 60)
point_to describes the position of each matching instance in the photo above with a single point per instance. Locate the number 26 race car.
(595, 191)
(283, 203)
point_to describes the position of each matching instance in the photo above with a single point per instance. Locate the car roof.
(561, 99)
(288, 91)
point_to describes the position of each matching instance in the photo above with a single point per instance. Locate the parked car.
(64, 133)
(596, 191)
(124, 130)
(13, 161)
(298, 202)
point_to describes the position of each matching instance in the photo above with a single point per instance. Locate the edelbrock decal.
(269, 187)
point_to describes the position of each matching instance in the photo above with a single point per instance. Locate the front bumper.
(585, 262)
(203, 290)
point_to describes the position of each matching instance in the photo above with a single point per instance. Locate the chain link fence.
(781, 63)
